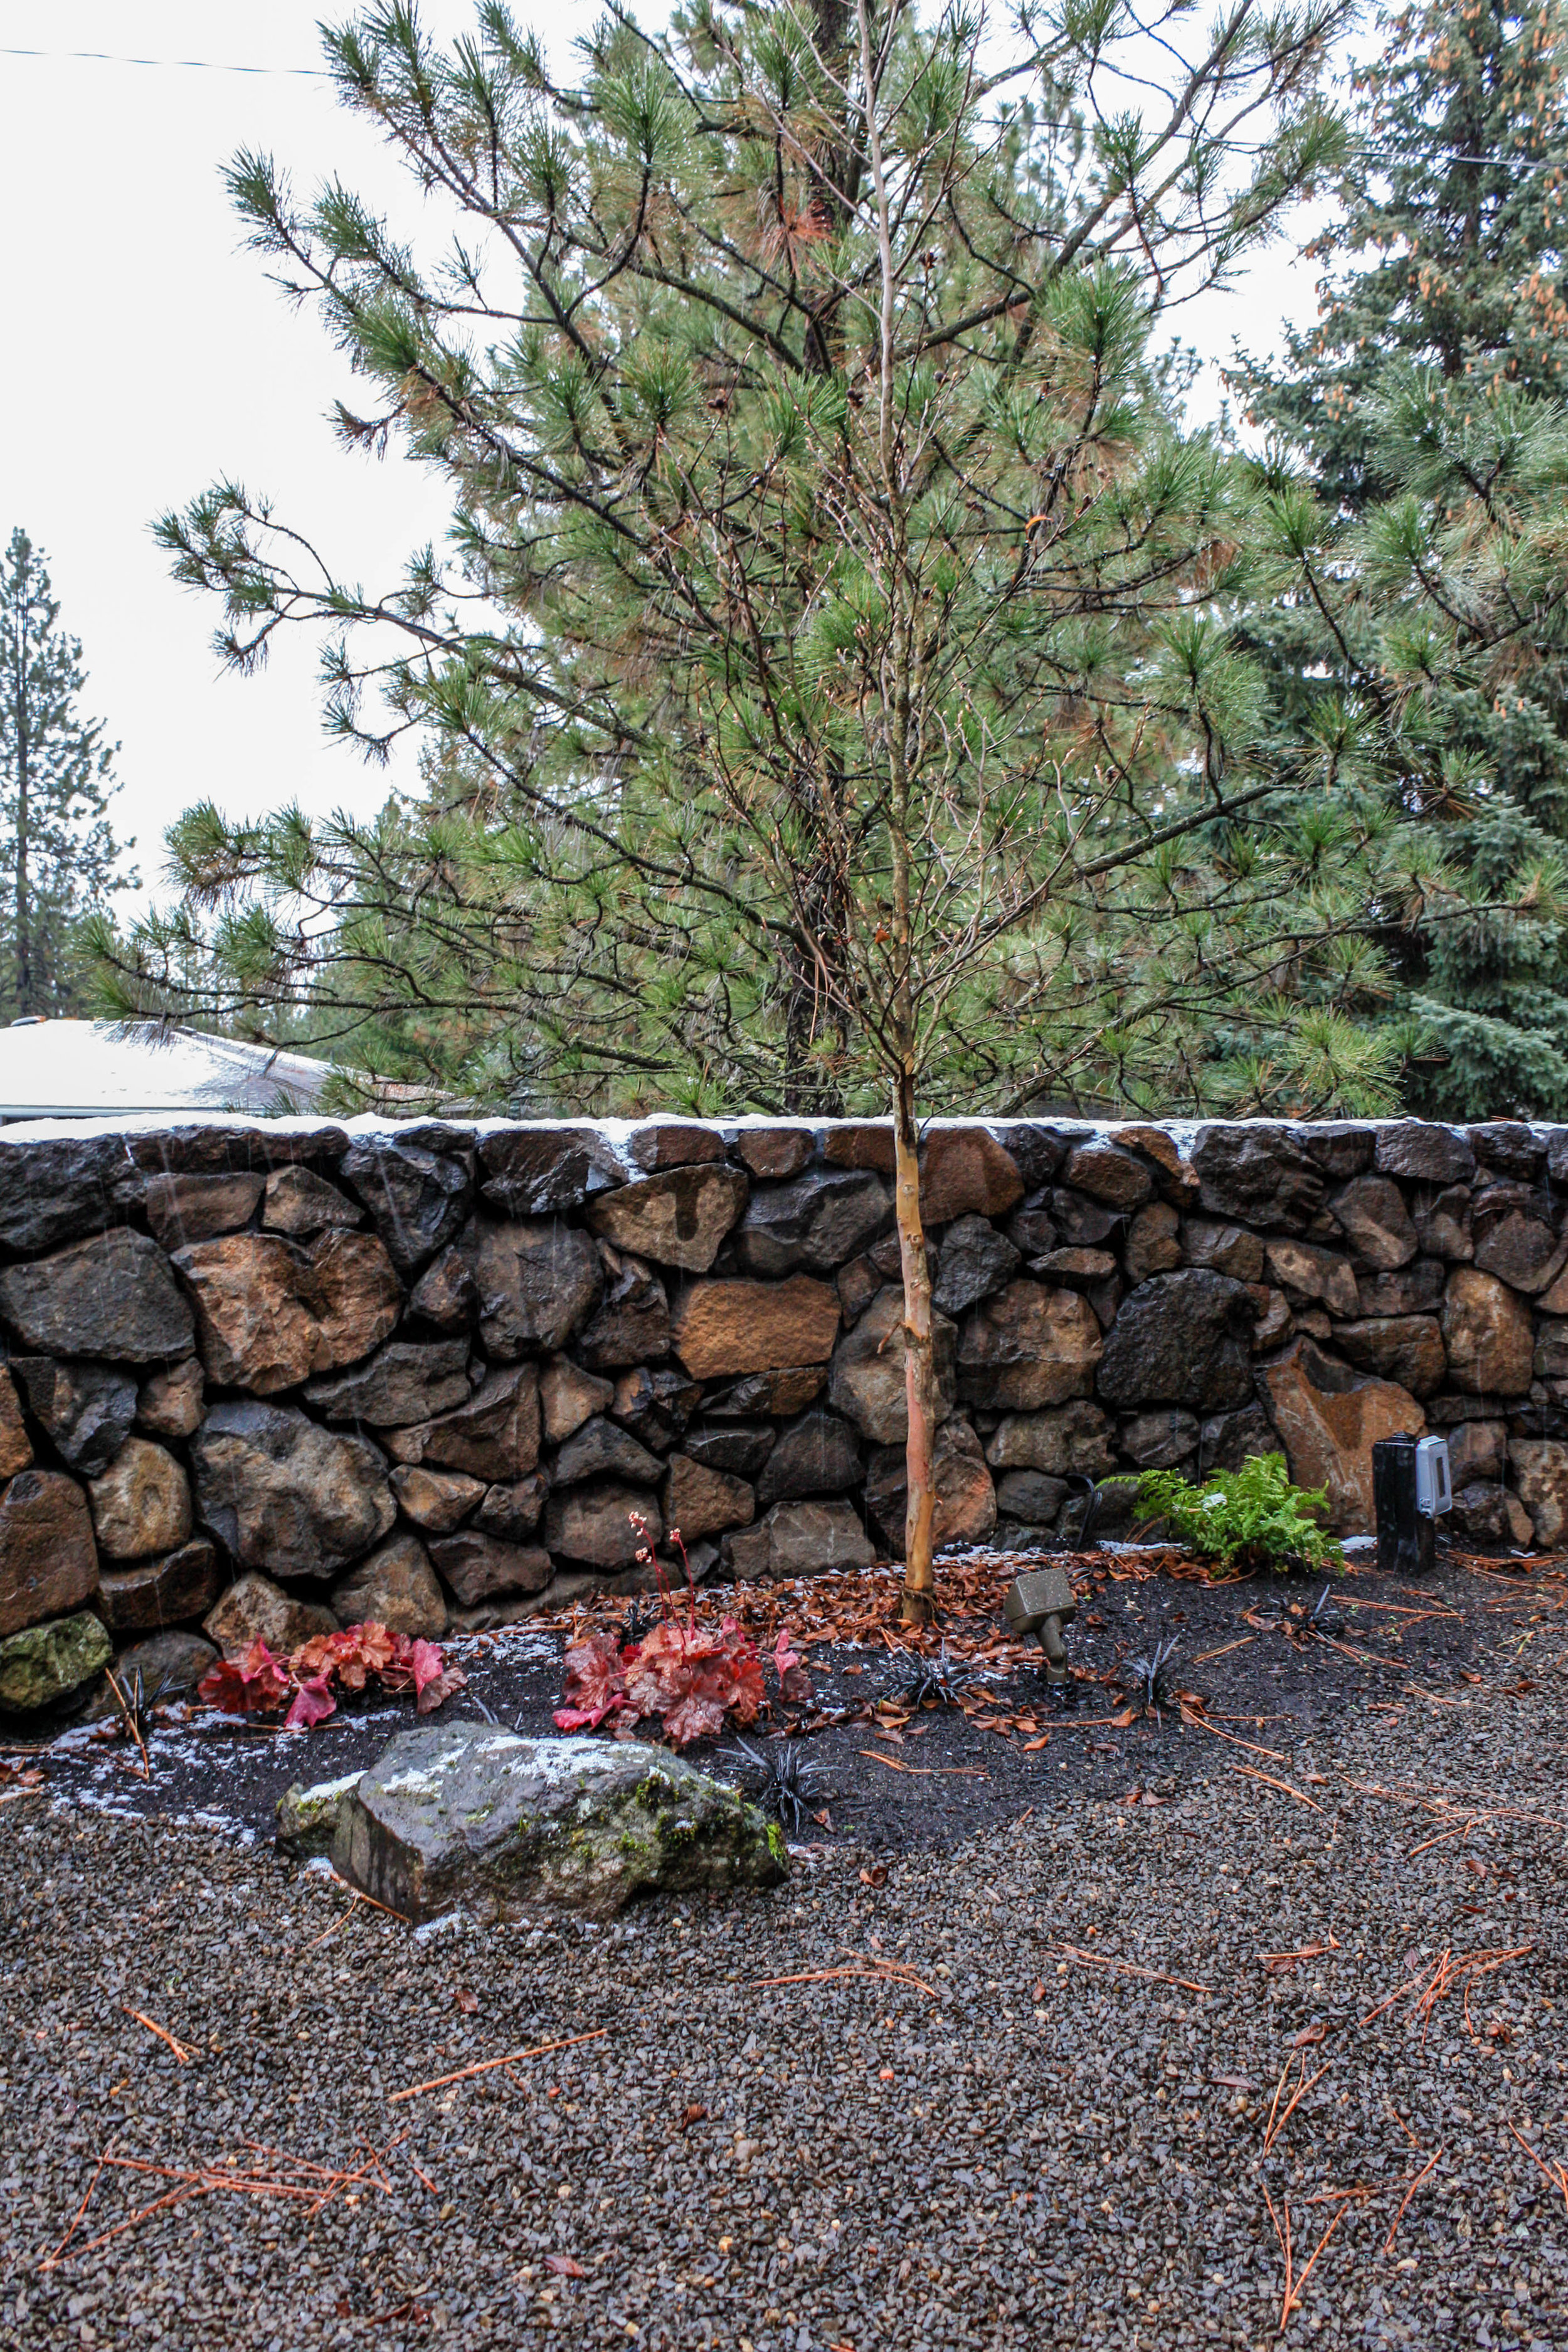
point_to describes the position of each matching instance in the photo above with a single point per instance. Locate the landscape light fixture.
(1042, 1604)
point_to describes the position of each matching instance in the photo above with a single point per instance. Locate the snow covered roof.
(83, 1069)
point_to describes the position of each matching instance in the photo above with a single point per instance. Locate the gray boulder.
(463, 1813)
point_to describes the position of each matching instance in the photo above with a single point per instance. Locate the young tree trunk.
(918, 1606)
(24, 748)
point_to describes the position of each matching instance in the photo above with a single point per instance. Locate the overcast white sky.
(150, 354)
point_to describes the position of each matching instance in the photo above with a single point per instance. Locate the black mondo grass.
(788, 1782)
(1148, 1682)
(941, 1681)
(135, 1705)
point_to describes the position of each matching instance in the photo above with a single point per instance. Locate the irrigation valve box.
(1042, 1604)
(1411, 1488)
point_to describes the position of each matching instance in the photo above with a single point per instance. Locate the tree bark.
(24, 955)
(918, 1604)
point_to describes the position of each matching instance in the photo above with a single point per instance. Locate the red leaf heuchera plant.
(687, 1674)
(261, 1682)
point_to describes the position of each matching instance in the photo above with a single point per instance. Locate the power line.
(317, 73)
(203, 65)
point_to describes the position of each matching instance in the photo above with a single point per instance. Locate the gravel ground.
(1038, 2111)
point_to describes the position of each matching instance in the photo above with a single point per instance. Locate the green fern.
(1250, 1518)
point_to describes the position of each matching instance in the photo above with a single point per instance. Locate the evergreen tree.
(55, 790)
(1445, 248)
(829, 704)
(1420, 610)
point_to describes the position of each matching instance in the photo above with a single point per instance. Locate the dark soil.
(1262, 1692)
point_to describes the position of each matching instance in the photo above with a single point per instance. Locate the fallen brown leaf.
(564, 2266)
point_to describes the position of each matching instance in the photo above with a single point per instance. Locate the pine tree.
(1444, 250)
(830, 707)
(1420, 609)
(56, 785)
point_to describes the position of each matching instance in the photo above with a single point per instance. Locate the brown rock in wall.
(677, 1219)
(168, 1405)
(270, 1313)
(1407, 1348)
(16, 1445)
(1257, 1175)
(1487, 1334)
(1076, 1437)
(594, 1524)
(673, 1143)
(1308, 1272)
(478, 1566)
(722, 1326)
(281, 1492)
(965, 1497)
(253, 1609)
(1541, 1473)
(254, 1329)
(1328, 1419)
(869, 1379)
(702, 1502)
(568, 1396)
(1028, 1347)
(353, 1291)
(166, 1592)
(300, 1202)
(1154, 1242)
(494, 1436)
(1442, 1222)
(436, 1500)
(141, 1504)
(185, 1209)
(538, 1280)
(774, 1153)
(395, 1587)
(48, 1562)
(1372, 1214)
(1108, 1174)
(965, 1172)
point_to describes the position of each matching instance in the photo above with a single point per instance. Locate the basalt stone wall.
(269, 1376)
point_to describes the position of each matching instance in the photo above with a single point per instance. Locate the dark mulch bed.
(1262, 1695)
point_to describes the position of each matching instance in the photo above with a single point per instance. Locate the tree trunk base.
(917, 1608)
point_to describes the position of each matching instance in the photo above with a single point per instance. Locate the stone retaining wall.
(266, 1376)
